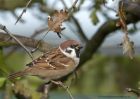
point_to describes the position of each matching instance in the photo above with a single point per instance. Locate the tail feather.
(17, 74)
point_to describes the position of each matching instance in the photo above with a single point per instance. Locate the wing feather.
(53, 60)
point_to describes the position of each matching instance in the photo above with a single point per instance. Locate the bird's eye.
(68, 51)
(73, 46)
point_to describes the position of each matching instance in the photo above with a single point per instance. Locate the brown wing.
(52, 60)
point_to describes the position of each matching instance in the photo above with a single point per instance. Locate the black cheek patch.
(68, 51)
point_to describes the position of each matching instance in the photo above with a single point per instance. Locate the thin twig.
(76, 21)
(27, 41)
(39, 42)
(109, 8)
(70, 11)
(32, 36)
(7, 31)
(38, 31)
(136, 92)
(80, 29)
(64, 4)
(24, 11)
(63, 86)
(73, 6)
(16, 17)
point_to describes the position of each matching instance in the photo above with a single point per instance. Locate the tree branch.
(2, 27)
(132, 7)
(96, 41)
(25, 40)
(80, 30)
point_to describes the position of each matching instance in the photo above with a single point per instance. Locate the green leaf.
(2, 80)
(3, 70)
(81, 2)
(94, 17)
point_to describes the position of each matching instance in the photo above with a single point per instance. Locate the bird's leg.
(135, 91)
(59, 83)
(44, 89)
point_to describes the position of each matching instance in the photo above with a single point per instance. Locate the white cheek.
(72, 54)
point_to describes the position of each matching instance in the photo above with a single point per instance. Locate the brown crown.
(68, 43)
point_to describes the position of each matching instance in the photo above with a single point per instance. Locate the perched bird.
(55, 63)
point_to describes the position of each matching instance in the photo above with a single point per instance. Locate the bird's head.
(71, 48)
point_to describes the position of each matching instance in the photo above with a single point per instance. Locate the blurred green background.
(106, 73)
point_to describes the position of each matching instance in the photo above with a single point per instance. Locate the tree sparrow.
(54, 64)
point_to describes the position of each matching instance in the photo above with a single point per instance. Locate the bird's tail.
(17, 74)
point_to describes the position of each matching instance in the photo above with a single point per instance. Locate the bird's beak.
(79, 47)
